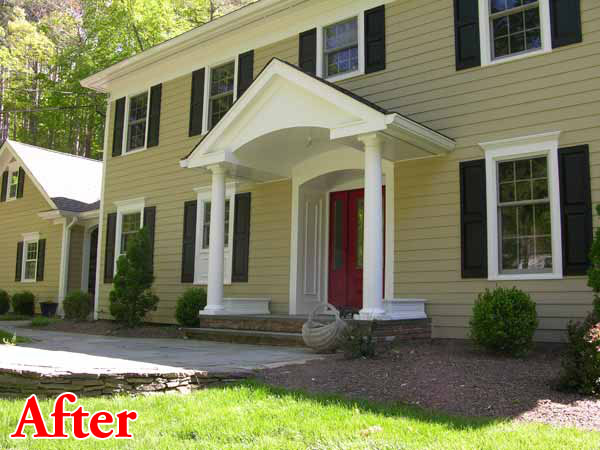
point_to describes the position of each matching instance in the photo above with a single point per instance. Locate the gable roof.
(68, 182)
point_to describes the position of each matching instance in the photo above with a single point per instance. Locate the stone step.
(245, 336)
(271, 323)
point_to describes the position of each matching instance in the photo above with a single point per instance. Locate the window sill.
(344, 76)
(28, 281)
(507, 59)
(525, 277)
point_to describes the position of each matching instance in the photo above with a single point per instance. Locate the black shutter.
(19, 265)
(565, 21)
(41, 260)
(118, 128)
(21, 185)
(4, 186)
(109, 254)
(473, 219)
(154, 120)
(149, 224)
(241, 238)
(308, 51)
(375, 39)
(466, 34)
(245, 72)
(189, 242)
(575, 208)
(197, 103)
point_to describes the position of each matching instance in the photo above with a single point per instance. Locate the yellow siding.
(21, 216)
(76, 259)
(555, 91)
(155, 175)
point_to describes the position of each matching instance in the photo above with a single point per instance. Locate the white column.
(373, 231)
(64, 262)
(216, 252)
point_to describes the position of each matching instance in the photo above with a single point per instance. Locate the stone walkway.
(79, 352)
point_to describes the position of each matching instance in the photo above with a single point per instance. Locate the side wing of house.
(30, 247)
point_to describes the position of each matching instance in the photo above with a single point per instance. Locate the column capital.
(217, 169)
(370, 140)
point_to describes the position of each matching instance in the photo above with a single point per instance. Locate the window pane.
(517, 43)
(138, 107)
(523, 169)
(540, 189)
(130, 224)
(137, 135)
(506, 171)
(533, 39)
(342, 61)
(14, 183)
(501, 26)
(509, 254)
(539, 167)
(206, 225)
(526, 253)
(509, 221)
(515, 30)
(523, 190)
(532, 18)
(32, 250)
(30, 269)
(542, 219)
(501, 47)
(222, 79)
(219, 107)
(498, 5)
(525, 220)
(341, 34)
(507, 192)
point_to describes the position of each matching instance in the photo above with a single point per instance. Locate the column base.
(212, 311)
(372, 314)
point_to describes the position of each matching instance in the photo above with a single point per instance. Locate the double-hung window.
(222, 89)
(13, 184)
(206, 225)
(130, 225)
(340, 48)
(30, 258)
(137, 122)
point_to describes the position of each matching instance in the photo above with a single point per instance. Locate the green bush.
(4, 302)
(189, 305)
(40, 321)
(357, 343)
(504, 321)
(77, 305)
(23, 303)
(132, 298)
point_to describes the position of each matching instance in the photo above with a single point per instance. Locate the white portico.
(339, 151)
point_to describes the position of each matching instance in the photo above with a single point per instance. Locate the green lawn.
(258, 417)
(13, 316)
(8, 336)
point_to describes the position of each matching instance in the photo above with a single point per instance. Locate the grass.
(255, 416)
(42, 321)
(5, 335)
(13, 316)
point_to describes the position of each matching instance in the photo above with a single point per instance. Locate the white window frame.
(207, 81)
(485, 32)
(12, 168)
(29, 238)
(204, 196)
(126, 124)
(126, 207)
(360, 21)
(545, 144)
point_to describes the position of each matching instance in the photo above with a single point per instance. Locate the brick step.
(245, 336)
(275, 324)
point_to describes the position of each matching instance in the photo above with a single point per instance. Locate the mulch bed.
(453, 377)
(111, 328)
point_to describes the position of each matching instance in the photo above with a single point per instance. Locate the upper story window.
(222, 88)
(137, 122)
(340, 48)
(515, 26)
(13, 184)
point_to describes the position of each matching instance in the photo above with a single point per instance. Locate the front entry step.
(245, 336)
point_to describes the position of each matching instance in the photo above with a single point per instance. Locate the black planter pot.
(48, 309)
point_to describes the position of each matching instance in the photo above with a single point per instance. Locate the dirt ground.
(451, 376)
(110, 328)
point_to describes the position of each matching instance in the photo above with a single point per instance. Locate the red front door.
(346, 223)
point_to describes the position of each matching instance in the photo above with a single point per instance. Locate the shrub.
(40, 321)
(189, 305)
(504, 321)
(132, 297)
(357, 343)
(23, 303)
(77, 305)
(581, 361)
(4, 302)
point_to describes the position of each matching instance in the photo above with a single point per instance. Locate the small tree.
(132, 297)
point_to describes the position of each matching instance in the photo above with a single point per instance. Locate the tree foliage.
(48, 46)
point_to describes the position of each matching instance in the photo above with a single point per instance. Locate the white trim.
(545, 144)
(126, 207)
(65, 251)
(486, 35)
(126, 123)
(360, 29)
(203, 196)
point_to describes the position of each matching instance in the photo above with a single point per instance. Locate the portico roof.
(287, 115)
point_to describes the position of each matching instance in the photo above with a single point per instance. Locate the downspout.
(64, 261)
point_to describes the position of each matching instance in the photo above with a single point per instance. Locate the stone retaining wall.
(24, 383)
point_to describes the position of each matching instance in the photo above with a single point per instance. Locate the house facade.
(393, 158)
(49, 209)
